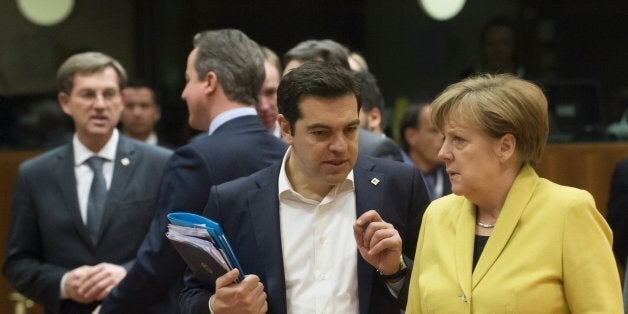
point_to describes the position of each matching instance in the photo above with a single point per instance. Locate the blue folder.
(184, 219)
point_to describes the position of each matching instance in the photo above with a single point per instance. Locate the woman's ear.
(506, 147)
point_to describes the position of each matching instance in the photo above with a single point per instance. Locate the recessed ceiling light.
(442, 10)
(45, 12)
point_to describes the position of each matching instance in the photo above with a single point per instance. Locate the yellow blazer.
(550, 252)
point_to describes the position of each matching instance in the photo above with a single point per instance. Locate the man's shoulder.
(382, 164)
(263, 177)
(44, 159)
(216, 145)
(377, 145)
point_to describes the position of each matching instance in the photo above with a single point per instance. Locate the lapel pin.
(125, 161)
(375, 181)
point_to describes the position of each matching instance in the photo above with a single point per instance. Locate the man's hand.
(248, 296)
(379, 242)
(87, 284)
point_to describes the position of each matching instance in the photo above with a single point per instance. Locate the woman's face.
(471, 158)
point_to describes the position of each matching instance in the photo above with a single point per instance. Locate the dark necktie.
(97, 196)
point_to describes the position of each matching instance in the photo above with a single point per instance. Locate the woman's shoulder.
(447, 206)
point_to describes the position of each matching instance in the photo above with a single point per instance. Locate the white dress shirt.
(319, 250)
(84, 177)
(83, 172)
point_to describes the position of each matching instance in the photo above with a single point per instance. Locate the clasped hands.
(86, 284)
(378, 242)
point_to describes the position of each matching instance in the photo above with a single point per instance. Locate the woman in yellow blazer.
(507, 241)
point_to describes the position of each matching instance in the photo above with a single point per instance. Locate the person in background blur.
(421, 140)
(267, 100)
(141, 113)
(498, 49)
(506, 239)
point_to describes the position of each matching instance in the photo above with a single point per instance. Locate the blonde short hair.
(498, 105)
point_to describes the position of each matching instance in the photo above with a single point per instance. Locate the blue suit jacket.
(48, 237)
(376, 145)
(237, 148)
(248, 210)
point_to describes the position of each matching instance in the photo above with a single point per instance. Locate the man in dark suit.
(291, 224)
(421, 141)
(329, 51)
(224, 74)
(76, 227)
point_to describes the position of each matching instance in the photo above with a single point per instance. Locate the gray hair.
(87, 63)
(237, 61)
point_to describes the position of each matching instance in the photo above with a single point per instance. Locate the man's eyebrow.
(317, 126)
(323, 126)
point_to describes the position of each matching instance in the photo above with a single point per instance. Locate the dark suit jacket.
(48, 237)
(446, 183)
(248, 210)
(617, 214)
(237, 148)
(375, 145)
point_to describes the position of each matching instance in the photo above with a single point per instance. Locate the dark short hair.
(326, 50)
(371, 95)
(141, 83)
(410, 119)
(318, 79)
(237, 61)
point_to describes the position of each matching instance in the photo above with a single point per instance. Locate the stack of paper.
(203, 246)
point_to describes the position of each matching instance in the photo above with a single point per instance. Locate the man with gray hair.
(80, 211)
(224, 75)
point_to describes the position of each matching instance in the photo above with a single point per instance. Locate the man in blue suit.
(327, 230)
(224, 74)
(81, 211)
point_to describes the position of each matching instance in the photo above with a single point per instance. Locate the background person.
(75, 227)
(267, 100)
(141, 113)
(507, 239)
(421, 141)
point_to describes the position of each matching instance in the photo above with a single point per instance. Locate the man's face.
(427, 140)
(267, 102)
(195, 95)
(140, 113)
(324, 142)
(95, 103)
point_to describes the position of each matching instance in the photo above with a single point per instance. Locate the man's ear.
(409, 134)
(64, 100)
(374, 119)
(506, 147)
(211, 82)
(284, 126)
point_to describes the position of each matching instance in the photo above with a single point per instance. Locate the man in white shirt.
(325, 231)
(80, 211)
